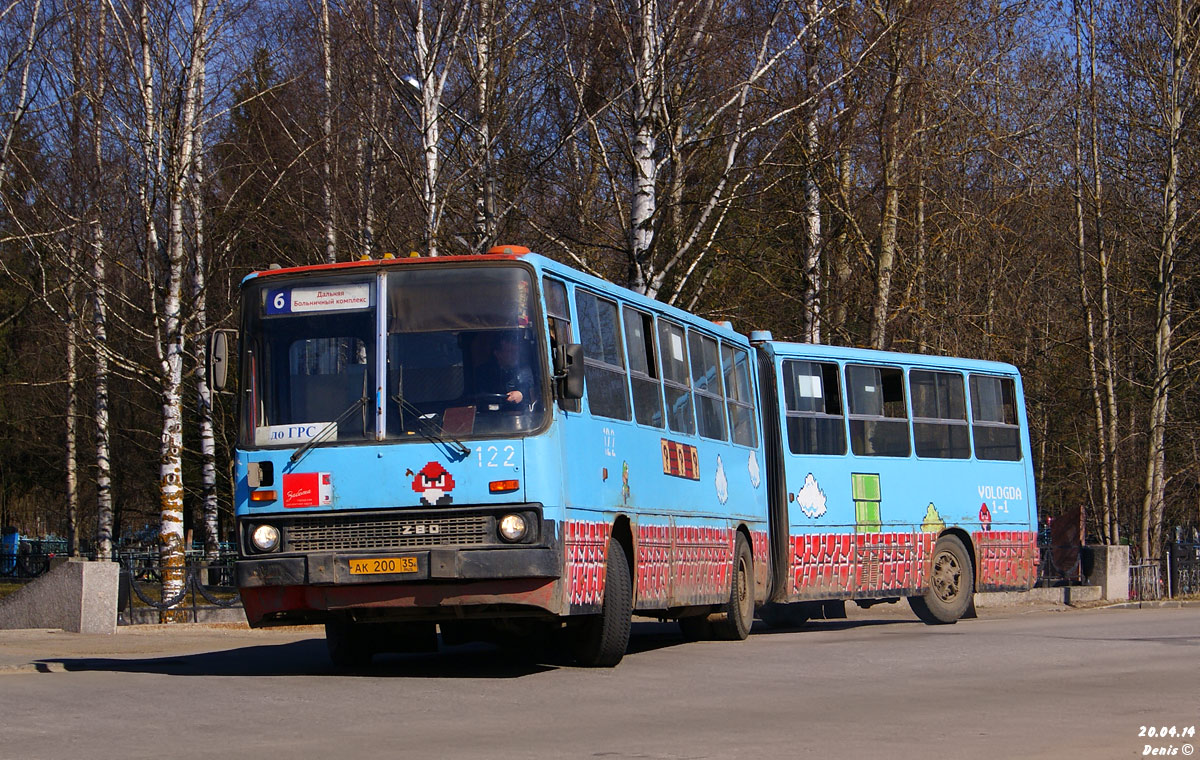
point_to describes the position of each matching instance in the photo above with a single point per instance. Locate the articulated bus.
(503, 446)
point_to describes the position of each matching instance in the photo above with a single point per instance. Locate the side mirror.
(218, 360)
(568, 370)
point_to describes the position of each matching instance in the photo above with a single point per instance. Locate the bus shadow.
(310, 658)
(476, 660)
(812, 626)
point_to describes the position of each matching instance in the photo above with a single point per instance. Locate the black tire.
(785, 615)
(601, 640)
(951, 584)
(732, 622)
(348, 644)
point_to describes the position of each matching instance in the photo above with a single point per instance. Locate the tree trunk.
(812, 191)
(171, 541)
(646, 97)
(1085, 298)
(72, 432)
(1150, 538)
(327, 135)
(889, 142)
(209, 504)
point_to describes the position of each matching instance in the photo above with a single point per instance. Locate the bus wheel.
(348, 644)
(601, 640)
(951, 584)
(733, 621)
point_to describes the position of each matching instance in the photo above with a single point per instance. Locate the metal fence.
(1059, 565)
(23, 566)
(1146, 582)
(1183, 569)
(206, 584)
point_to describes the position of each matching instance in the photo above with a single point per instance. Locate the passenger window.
(939, 414)
(643, 368)
(604, 360)
(738, 398)
(994, 418)
(706, 381)
(676, 385)
(558, 322)
(816, 422)
(878, 415)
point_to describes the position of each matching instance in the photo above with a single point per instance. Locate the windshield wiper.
(427, 428)
(329, 427)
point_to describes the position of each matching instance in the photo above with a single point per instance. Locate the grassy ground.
(8, 587)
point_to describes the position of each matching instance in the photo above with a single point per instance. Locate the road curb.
(1153, 604)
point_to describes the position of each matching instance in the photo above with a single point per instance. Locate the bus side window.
(813, 396)
(939, 414)
(558, 322)
(604, 360)
(994, 418)
(738, 399)
(676, 385)
(706, 380)
(643, 368)
(878, 417)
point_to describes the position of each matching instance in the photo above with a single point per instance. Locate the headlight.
(265, 538)
(512, 527)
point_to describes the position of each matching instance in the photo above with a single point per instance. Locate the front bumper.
(441, 564)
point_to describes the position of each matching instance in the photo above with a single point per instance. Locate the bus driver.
(504, 374)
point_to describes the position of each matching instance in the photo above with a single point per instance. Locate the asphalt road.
(1018, 682)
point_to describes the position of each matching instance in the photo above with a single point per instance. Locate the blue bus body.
(580, 474)
(411, 453)
(863, 524)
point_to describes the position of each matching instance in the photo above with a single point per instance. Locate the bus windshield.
(462, 352)
(458, 344)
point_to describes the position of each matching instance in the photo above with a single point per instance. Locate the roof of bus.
(369, 263)
(510, 253)
(789, 350)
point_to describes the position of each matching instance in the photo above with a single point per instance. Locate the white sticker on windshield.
(677, 347)
(269, 435)
(321, 298)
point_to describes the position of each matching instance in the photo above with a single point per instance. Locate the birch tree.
(1179, 28)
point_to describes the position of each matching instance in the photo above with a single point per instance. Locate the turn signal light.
(271, 495)
(504, 486)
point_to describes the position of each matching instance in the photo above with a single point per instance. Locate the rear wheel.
(951, 584)
(601, 640)
(733, 621)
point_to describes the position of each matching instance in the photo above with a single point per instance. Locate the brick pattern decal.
(586, 547)
(703, 563)
(683, 564)
(822, 563)
(680, 459)
(1006, 559)
(892, 561)
(840, 563)
(654, 550)
(846, 563)
(760, 546)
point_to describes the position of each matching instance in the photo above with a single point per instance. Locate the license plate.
(383, 565)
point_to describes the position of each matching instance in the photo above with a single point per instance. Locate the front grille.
(340, 532)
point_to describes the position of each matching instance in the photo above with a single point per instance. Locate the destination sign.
(320, 298)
